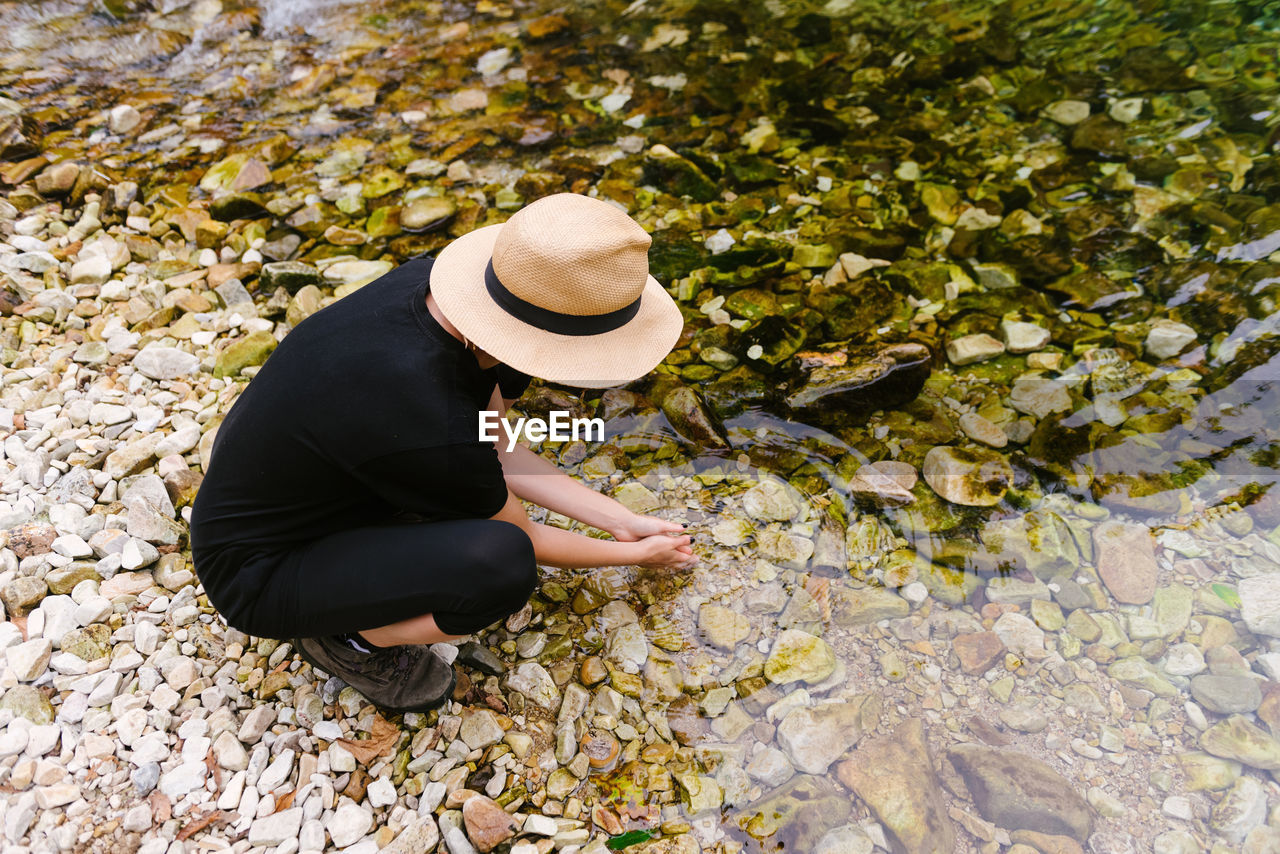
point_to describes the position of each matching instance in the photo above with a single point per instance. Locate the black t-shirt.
(368, 408)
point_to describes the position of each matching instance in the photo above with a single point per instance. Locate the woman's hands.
(635, 527)
(655, 537)
(663, 551)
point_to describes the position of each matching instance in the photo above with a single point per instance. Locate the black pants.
(468, 573)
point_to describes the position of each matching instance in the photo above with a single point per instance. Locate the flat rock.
(723, 627)
(276, 828)
(1019, 792)
(1167, 338)
(348, 824)
(428, 214)
(1227, 695)
(1241, 809)
(1240, 739)
(480, 728)
(1039, 396)
(165, 363)
(1126, 561)
(983, 430)
(886, 483)
(1260, 603)
(1022, 337)
(978, 651)
(813, 738)
(534, 682)
(865, 605)
(894, 775)
(29, 660)
(1021, 635)
(973, 477)
(968, 349)
(770, 501)
(872, 377)
(421, 835)
(799, 656)
(802, 811)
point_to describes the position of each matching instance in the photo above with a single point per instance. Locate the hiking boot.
(408, 678)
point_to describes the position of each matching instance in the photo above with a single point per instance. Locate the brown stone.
(978, 651)
(488, 825)
(182, 486)
(356, 785)
(592, 671)
(253, 174)
(1126, 559)
(31, 539)
(1016, 791)
(125, 584)
(1269, 711)
(894, 775)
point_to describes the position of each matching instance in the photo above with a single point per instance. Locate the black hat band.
(555, 321)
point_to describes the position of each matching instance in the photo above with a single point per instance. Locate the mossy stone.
(253, 349)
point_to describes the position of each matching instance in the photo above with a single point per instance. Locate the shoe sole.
(435, 704)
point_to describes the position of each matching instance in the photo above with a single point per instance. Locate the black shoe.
(405, 678)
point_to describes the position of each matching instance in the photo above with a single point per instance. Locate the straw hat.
(560, 291)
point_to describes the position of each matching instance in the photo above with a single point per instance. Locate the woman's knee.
(507, 563)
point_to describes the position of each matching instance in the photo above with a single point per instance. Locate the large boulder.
(894, 775)
(1019, 792)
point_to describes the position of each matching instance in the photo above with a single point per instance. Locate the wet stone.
(723, 627)
(770, 501)
(894, 775)
(978, 651)
(1239, 739)
(1022, 337)
(886, 483)
(815, 738)
(968, 476)
(293, 276)
(1260, 603)
(969, 349)
(1019, 792)
(1126, 561)
(872, 378)
(1168, 338)
(1226, 695)
(799, 656)
(1040, 396)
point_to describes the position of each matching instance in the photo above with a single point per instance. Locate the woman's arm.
(569, 550)
(537, 480)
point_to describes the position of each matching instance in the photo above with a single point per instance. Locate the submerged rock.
(799, 657)
(815, 738)
(968, 349)
(969, 476)
(887, 483)
(872, 378)
(428, 214)
(1260, 603)
(894, 775)
(796, 816)
(691, 418)
(1168, 338)
(1019, 792)
(1126, 559)
(1240, 739)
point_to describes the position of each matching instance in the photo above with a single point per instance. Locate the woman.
(349, 502)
